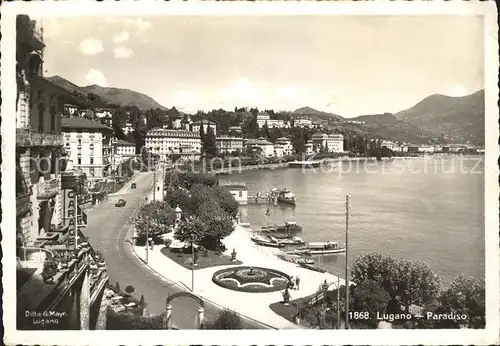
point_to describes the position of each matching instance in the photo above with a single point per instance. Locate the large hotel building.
(164, 142)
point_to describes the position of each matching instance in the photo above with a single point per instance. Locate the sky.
(347, 65)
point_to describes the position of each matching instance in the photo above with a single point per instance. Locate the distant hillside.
(122, 97)
(388, 126)
(315, 115)
(461, 118)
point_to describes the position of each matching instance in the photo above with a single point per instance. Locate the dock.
(262, 200)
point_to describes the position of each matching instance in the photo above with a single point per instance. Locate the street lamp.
(178, 215)
(147, 236)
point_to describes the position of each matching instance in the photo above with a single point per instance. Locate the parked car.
(121, 203)
(133, 186)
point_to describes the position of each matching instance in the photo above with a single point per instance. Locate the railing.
(29, 138)
(48, 189)
(23, 204)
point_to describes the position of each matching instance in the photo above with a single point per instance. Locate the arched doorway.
(199, 316)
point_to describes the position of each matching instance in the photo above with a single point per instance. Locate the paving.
(109, 232)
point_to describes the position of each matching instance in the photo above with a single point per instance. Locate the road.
(109, 230)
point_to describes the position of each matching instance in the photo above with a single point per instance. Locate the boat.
(292, 241)
(304, 164)
(244, 224)
(319, 248)
(269, 228)
(283, 196)
(289, 227)
(295, 258)
(268, 243)
(312, 267)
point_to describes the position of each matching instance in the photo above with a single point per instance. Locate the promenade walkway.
(253, 305)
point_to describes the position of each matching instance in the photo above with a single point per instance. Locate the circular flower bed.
(251, 279)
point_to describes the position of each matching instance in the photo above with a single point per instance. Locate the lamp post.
(147, 237)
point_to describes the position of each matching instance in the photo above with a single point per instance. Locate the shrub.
(130, 321)
(225, 320)
(49, 269)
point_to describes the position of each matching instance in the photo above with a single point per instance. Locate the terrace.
(49, 271)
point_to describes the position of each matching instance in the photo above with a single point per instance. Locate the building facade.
(165, 143)
(330, 143)
(261, 145)
(302, 122)
(287, 145)
(196, 126)
(229, 145)
(84, 139)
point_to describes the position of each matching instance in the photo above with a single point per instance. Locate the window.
(52, 119)
(41, 111)
(240, 194)
(79, 160)
(91, 161)
(79, 142)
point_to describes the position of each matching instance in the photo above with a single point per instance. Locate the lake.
(427, 209)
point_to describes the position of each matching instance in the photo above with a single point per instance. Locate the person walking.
(297, 282)
(292, 283)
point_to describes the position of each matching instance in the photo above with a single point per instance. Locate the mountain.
(390, 127)
(122, 97)
(314, 114)
(461, 118)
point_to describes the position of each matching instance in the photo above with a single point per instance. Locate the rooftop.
(204, 122)
(122, 142)
(171, 133)
(82, 123)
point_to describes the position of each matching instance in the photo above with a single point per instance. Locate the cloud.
(123, 52)
(121, 37)
(91, 46)
(96, 77)
(142, 24)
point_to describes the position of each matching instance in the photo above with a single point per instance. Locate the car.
(133, 186)
(121, 203)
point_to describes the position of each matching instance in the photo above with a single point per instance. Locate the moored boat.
(268, 243)
(304, 164)
(319, 248)
(289, 227)
(295, 258)
(284, 196)
(292, 241)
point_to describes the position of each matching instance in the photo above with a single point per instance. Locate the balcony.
(48, 189)
(23, 204)
(28, 138)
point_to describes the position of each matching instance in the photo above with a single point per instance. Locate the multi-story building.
(229, 145)
(128, 128)
(47, 230)
(105, 115)
(165, 143)
(85, 139)
(287, 145)
(387, 144)
(262, 119)
(278, 150)
(122, 151)
(309, 147)
(330, 143)
(70, 109)
(235, 130)
(195, 127)
(301, 122)
(262, 145)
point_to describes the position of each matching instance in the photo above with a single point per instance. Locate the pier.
(266, 199)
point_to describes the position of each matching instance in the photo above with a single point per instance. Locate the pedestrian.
(292, 283)
(297, 281)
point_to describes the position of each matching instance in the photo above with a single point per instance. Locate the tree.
(118, 132)
(217, 225)
(416, 283)
(190, 231)
(226, 201)
(130, 289)
(376, 267)
(142, 302)
(209, 142)
(370, 297)
(154, 218)
(265, 128)
(181, 198)
(465, 296)
(225, 320)
(117, 287)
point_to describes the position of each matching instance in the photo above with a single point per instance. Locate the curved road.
(108, 231)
